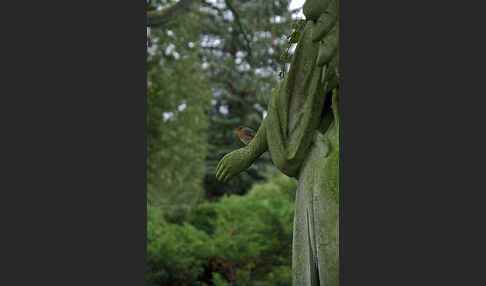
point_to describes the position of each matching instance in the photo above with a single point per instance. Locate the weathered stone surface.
(314, 8)
(315, 258)
(295, 108)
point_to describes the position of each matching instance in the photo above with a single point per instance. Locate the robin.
(246, 134)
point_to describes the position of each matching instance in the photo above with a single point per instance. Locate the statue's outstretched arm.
(241, 159)
(323, 18)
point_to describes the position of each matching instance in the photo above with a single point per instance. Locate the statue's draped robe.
(303, 142)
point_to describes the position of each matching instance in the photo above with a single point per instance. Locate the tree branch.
(163, 16)
(237, 20)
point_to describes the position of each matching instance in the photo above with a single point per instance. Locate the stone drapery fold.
(295, 107)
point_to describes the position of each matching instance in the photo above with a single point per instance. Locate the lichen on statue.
(301, 132)
(313, 9)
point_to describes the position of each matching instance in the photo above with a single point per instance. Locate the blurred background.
(210, 69)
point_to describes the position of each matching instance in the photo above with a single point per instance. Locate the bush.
(176, 254)
(240, 240)
(204, 217)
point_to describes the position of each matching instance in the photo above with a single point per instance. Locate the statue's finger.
(323, 25)
(220, 172)
(218, 169)
(220, 178)
(227, 177)
(219, 166)
(223, 172)
(227, 174)
(328, 48)
(221, 162)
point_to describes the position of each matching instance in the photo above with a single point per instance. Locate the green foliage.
(204, 217)
(278, 276)
(293, 38)
(178, 96)
(241, 240)
(176, 253)
(279, 185)
(218, 280)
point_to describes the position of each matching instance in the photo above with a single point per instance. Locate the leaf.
(295, 38)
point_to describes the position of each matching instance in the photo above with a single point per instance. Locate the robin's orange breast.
(240, 132)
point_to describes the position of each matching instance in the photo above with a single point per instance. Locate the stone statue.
(301, 131)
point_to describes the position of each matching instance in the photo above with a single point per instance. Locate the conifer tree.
(242, 43)
(177, 99)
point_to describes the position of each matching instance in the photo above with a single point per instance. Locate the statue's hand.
(233, 163)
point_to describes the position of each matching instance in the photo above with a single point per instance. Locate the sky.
(294, 4)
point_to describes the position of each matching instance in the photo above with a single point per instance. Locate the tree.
(241, 48)
(241, 45)
(163, 16)
(177, 98)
